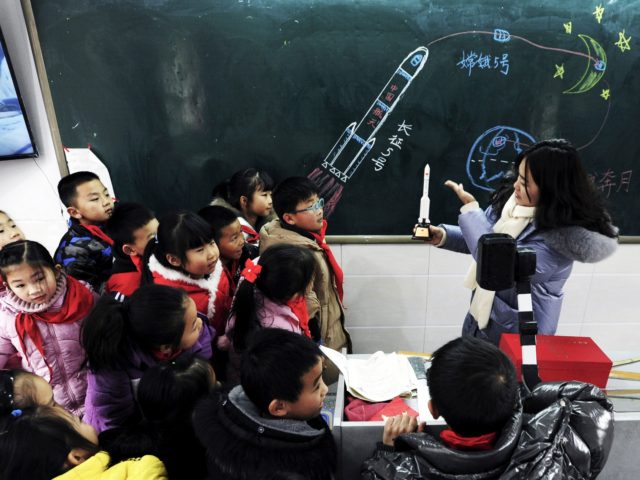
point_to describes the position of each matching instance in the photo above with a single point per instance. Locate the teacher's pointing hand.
(464, 196)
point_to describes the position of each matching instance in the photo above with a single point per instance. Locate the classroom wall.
(411, 297)
(28, 186)
(406, 297)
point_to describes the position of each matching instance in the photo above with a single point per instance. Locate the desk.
(356, 440)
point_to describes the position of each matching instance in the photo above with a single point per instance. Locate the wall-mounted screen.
(16, 140)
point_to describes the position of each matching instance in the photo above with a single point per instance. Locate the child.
(22, 389)
(45, 442)
(227, 231)
(41, 316)
(167, 395)
(186, 257)
(85, 250)
(300, 222)
(491, 434)
(249, 193)
(271, 295)
(131, 227)
(9, 231)
(271, 422)
(157, 323)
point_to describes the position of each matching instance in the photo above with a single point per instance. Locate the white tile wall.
(411, 297)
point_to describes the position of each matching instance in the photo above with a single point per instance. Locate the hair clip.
(251, 271)
(16, 413)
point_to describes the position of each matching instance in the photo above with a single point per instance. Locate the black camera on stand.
(501, 264)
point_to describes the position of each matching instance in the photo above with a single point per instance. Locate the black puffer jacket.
(241, 444)
(563, 431)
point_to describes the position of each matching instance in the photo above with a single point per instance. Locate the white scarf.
(513, 220)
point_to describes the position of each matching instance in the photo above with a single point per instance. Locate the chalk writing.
(559, 71)
(492, 154)
(598, 13)
(395, 141)
(608, 182)
(567, 27)
(605, 93)
(501, 36)
(623, 42)
(471, 60)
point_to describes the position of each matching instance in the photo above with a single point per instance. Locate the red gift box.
(562, 358)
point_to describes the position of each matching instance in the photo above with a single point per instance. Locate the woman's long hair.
(567, 196)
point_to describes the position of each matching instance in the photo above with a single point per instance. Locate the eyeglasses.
(318, 205)
(6, 391)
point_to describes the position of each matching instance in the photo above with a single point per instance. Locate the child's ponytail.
(104, 334)
(150, 318)
(244, 307)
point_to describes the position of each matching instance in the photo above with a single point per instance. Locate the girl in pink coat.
(271, 294)
(41, 314)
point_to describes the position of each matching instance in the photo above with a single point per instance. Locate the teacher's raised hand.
(464, 196)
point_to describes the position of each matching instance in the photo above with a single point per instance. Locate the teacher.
(551, 207)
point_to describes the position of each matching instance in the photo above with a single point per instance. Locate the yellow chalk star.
(559, 71)
(567, 27)
(598, 13)
(623, 42)
(605, 93)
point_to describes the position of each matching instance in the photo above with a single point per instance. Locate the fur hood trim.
(209, 284)
(578, 243)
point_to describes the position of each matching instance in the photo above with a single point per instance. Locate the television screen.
(15, 134)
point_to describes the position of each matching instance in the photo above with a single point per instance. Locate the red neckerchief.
(252, 235)
(96, 231)
(458, 442)
(165, 356)
(299, 308)
(137, 262)
(232, 272)
(337, 271)
(77, 303)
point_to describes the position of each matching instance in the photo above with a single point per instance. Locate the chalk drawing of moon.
(595, 69)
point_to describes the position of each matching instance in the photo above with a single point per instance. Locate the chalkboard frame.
(59, 148)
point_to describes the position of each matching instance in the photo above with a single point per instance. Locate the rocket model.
(422, 229)
(358, 139)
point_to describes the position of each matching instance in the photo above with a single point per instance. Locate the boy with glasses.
(301, 222)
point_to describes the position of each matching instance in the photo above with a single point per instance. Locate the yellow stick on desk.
(415, 354)
(624, 375)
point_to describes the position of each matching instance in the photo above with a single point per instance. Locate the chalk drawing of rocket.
(357, 140)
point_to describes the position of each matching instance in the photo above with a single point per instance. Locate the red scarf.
(77, 303)
(252, 235)
(458, 442)
(337, 271)
(299, 308)
(96, 231)
(165, 356)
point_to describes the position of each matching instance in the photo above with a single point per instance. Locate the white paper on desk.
(378, 378)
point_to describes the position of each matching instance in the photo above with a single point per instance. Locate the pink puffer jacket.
(62, 348)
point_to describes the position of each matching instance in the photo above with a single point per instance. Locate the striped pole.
(525, 269)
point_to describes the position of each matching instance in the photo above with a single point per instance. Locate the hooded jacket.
(323, 301)
(212, 295)
(61, 341)
(556, 250)
(562, 431)
(242, 444)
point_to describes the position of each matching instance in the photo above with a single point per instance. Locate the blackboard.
(176, 95)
